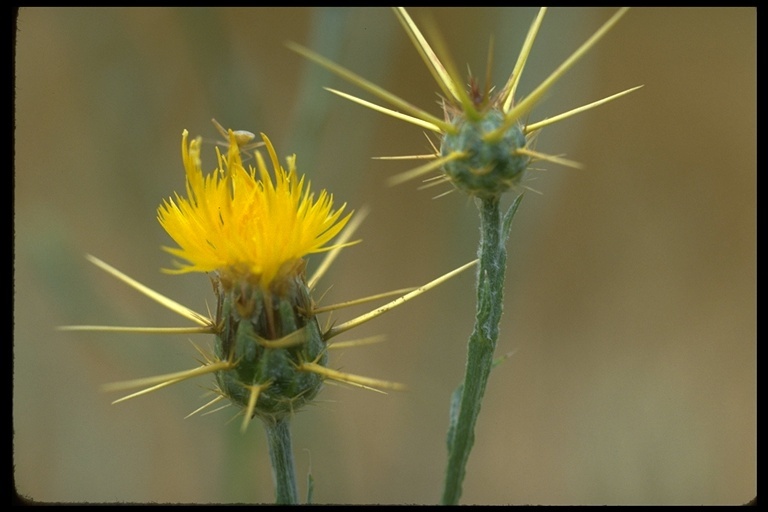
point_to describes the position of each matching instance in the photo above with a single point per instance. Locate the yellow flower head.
(252, 231)
(242, 223)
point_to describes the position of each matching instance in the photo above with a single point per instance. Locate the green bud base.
(488, 167)
(267, 336)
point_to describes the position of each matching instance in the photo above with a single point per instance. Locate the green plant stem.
(466, 401)
(281, 455)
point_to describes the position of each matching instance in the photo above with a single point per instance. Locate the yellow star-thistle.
(484, 137)
(251, 232)
(244, 224)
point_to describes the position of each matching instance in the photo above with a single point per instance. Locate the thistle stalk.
(485, 151)
(281, 456)
(467, 398)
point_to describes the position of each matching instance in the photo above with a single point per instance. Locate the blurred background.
(630, 305)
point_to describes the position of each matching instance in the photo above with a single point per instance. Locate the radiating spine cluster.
(484, 146)
(270, 352)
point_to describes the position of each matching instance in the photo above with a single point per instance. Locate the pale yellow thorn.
(208, 307)
(539, 192)
(549, 158)
(424, 169)
(438, 196)
(338, 329)
(209, 358)
(387, 111)
(293, 339)
(370, 340)
(348, 378)
(529, 101)
(488, 69)
(146, 391)
(370, 87)
(405, 157)
(355, 302)
(176, 376)
(436, 68)
(565, 115)
(435, 151)
(233, 418)
(252, 399)
(449, 70)
(508, 92)
(228, 404)
(143, 330)
(217, 399)
(433, 182)
(341, 240)
(161, 299)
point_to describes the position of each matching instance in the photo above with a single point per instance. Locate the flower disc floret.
(244, 224)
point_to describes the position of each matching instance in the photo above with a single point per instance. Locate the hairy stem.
(466, 400)
(281, 455)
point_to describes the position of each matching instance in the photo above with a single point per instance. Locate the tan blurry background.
(631, 285)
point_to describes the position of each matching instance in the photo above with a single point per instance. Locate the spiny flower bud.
(268, 336)
(251, 232)
(487, 167)
(483, 136)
